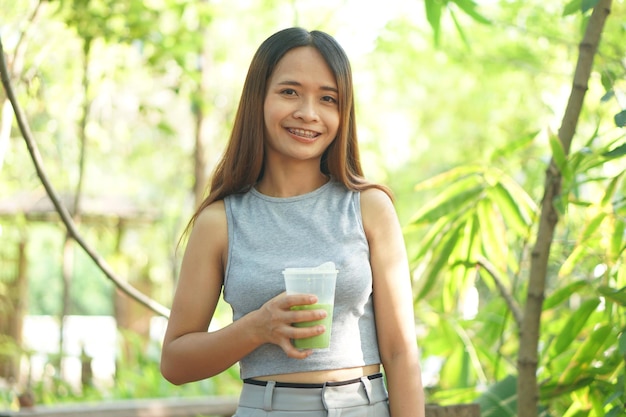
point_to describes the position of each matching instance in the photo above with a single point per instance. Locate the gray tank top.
(268, 234)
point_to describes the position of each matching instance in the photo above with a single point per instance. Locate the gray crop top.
(266, 235)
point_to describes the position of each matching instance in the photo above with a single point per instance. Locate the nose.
(306, 111)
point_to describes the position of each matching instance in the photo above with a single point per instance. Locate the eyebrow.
(297, 84)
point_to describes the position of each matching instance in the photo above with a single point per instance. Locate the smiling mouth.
(307, 134)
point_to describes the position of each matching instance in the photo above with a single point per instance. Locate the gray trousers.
(365, 398)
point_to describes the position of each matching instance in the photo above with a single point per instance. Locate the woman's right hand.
(275, 320)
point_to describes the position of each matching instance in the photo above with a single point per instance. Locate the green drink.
(319, 281)
(320, 341)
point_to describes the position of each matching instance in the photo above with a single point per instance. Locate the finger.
(314, 316)
(294, 353)
(304, 332)
(293, 300)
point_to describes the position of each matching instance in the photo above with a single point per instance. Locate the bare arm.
(393, 305)
(190, 353)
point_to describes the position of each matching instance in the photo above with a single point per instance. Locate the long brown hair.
(241, 165)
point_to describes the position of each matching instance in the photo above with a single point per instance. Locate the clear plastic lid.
(325, 267)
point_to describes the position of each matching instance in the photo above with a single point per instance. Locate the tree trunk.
(14, 307)
(527, 389)
(200, 113)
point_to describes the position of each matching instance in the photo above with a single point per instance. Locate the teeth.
(303, 133)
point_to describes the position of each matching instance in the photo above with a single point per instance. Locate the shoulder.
(375, 200)
(209, 233)
(377, 209)
(212, 216)
(210, 226)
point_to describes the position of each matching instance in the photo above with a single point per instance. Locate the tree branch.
(56, 201)
(506, 294)
(527, 363)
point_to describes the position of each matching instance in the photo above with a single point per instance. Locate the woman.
(290, 192)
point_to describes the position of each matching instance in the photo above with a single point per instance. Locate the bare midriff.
(319, 377)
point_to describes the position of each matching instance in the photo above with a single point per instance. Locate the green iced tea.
(320, 341)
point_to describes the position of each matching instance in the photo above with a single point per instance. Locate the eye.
(329, 99)
(288, 92)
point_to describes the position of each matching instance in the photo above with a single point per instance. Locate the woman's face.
(301, 109)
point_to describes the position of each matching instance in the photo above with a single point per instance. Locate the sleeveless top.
(268, 234)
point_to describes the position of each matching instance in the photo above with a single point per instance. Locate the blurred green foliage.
(458, 104)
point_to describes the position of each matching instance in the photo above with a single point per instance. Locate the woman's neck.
(290, 184)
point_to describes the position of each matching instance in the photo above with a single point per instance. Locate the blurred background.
(458, 102)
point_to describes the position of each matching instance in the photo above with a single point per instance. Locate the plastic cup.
(320, 281)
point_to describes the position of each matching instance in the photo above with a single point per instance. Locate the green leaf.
(459, 28)
(574, 326)
(469, 7)
(492, 234)
(554, 390)
(591, 348)
(588, 5)
(500, 399)
(514, 146)
(509, 208)
(620, 119)
(613, 294)
(454, 198)
(447, 177)
(608, 78)
(622, 344)
(433, 235)
(563, 294)
(617, 240)
(619, 151)
(558, 153)
(610, 190)
(433, 15)
(441, 257)
(607, 96)
(579, 252)
(572, 7)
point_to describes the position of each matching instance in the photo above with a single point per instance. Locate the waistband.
(308, 385)
(269, 395)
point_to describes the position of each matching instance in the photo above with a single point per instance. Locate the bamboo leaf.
(588, 5)
(433, 15)
(620, 119)
(452, 199)
(492, 233)
(592, 227)
(617, 240)
(572, 7)
(448, 177)
(469, 7)
(572, 260)
(459, 28)
(435, 232)
(515, 145)
(622, 344)
(613, 294)
(440, 260)
(608, 78)
(554, 390)
(563, 294)
(558, 153)
(620, 150)
(610, 190)
(500, 399)
(584, 357)
(574, 326)
(509, 208)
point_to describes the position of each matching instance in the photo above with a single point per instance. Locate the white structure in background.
(95, 335)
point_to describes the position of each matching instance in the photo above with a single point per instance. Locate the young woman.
(290, 192)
